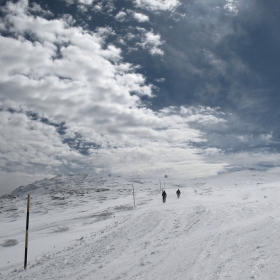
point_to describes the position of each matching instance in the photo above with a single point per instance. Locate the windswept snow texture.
(83, 227)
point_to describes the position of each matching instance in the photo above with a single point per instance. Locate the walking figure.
(164, 195)
(178, 192)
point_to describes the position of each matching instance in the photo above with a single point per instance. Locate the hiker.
(178, 192)
(164, 195)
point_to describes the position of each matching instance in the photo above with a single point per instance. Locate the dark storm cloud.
(225, 54)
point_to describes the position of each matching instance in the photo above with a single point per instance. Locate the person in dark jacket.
(164, 195)
(178, 192)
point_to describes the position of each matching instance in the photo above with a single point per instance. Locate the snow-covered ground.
(83, 227)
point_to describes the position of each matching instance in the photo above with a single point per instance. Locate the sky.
(182, 88)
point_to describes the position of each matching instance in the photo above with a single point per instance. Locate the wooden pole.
(159, 185)
(133, 194)
(26, 233)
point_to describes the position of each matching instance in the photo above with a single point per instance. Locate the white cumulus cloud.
(70, 103)
(141, 17)
(152, 42)
(121, 16)
(157, 5)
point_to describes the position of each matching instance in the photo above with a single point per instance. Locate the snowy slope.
(83, 227)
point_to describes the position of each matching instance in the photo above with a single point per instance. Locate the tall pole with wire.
(26, 232)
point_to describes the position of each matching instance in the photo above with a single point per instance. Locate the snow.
(84, 227)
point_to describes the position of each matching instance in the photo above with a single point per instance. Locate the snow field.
(225, 227)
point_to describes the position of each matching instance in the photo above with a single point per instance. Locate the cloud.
(86, 2)
(262, 160)
(151, 41)
(209, 58)
(37, 9)
(79, 102)
(121, 16)
(157, 5)
(58, 52)
(160, 80)
(37, 147)
(98, 6)
(141, 17)
(174, 161)
(231, 7)
(128, 15)
(76, 106)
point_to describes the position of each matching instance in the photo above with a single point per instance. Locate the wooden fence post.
(26, 233)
